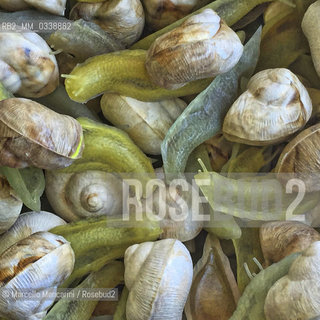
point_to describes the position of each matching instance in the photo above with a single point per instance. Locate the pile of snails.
(108, 115)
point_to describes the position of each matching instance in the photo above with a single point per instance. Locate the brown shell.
(202, 47)
(33, 135)
(279, 239)
(301, 159)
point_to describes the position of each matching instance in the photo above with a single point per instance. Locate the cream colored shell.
(158, 276)
(27, 224)
(10, 206)
(37, 264)
(297, 295)
(123, 19)
(75, 196)
(275, 106)
(30, 69)
(202, 46)
(52, 6)
(146, 123)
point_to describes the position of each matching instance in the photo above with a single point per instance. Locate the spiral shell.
(10, 206)
(33, 135)
(85, 194)
(30, 69)
(27, 224)
(297, 295)
(202, 47)
(158, 276)
(37, 264)
(275, 105)
(122, 19)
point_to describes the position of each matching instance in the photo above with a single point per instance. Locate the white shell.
(45, 260)
(29, 56)
(52, 6)
(27, 224)
(297, 295)
(158, 276)
(275, 105)
(10, 206)
(146, 123)
(122, 19)
(85, 194)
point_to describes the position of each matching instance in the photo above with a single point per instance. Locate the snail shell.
(203, 46)
(161, 13)
(27, 224)
(84, 194)
(33, 135)
(10, 206)
(123, 19)
(28, 56)
(279, 239)
(301, 159)
(52, 6)
(297, 295)
(146, 123)
(158, 276)
(275, 106)
(38, 264)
